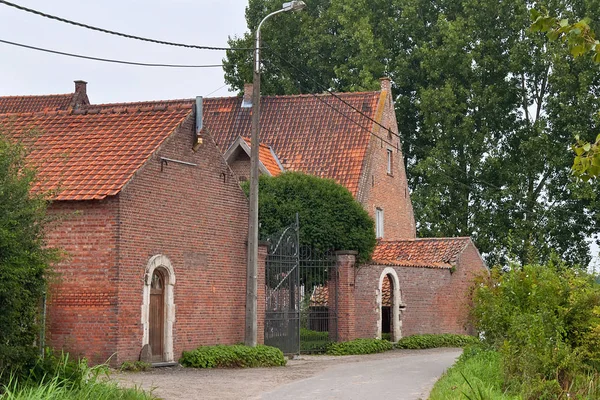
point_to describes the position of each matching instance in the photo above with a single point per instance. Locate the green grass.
(313, 341)
(55, 389)
(477, 375)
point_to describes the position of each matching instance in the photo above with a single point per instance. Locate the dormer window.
(390, 161)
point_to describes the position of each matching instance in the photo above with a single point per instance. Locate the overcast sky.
(202, 22)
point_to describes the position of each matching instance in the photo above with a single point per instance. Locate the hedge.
(428, 341)
(234, 356)
(359, 346)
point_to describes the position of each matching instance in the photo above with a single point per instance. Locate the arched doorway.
(389, 303)
(158, 308)
(157, 315)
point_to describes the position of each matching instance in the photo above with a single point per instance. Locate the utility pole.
(252, 267)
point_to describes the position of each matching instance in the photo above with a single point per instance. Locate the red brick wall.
(197, 217)
(436, 299)
(82, 306)
(241, 166)
(377, 188)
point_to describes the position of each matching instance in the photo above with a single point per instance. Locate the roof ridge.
(129, 108)
(137, 103)
(36, 113)
(37, 95)
(428, 238)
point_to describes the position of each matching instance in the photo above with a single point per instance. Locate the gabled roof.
(306, 132)
(92, 154)
(269, 163)
(428, 252)
(20, 104)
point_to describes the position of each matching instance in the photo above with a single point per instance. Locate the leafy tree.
(485, 107)
(330, 218)
(580, 40)
(24, 258)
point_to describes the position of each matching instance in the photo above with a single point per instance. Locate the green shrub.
(433, 341)
(235, 356)
(135, 366)
(545, 322)
(359, 346)
(330, 217)
(386, 336)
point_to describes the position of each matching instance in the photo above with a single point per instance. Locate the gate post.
(261, 292)
(343, 287)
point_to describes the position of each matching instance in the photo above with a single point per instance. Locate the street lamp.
(252, 267)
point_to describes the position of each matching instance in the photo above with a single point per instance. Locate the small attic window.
(390, 161)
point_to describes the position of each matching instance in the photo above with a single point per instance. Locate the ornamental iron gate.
(300, 295)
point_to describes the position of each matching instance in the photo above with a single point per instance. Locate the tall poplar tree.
(486, 108)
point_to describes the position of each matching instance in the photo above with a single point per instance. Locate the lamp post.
(252, 267)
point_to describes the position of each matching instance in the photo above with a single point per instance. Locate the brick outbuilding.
(153, 224)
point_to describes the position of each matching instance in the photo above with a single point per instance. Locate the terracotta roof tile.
(23, 104)
(320, 296)
(429, 252)
(306, 132)
(91, 155)
(267, 158)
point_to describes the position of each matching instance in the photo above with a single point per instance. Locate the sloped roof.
(427, 252)
(320, 295)
(23, 104)
(91, 154)
(268, 158)
(305, 131)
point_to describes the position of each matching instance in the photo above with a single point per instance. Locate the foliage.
(581, 40)
(61, 378)
(359, 346)
(429, 341)
(313, 341)
(485, 107)
(235, 356)
(24, 259)
(135, 366)
(545, 322)
(330, 218)
(476, 375)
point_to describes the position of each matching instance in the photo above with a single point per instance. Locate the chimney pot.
(248, 91)
(386, 84)
(81, 87)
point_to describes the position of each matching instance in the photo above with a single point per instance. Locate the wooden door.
(157, 315)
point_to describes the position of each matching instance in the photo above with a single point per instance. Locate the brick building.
(154, 221)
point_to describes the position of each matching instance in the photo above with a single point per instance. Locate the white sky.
(201, 22)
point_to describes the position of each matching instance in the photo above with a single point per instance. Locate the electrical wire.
(140, 64)
(125, 35)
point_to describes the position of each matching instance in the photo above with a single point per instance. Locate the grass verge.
(477, 375)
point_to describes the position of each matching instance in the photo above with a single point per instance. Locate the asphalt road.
(397, 374)
(405, 378)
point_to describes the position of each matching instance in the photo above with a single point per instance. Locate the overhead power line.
(140, 64)
(125, 35)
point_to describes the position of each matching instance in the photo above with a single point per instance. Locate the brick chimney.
(81, 87)
(80, 97)
(247, 101)
(386, 84)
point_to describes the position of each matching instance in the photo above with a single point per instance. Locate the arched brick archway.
(162, 264)
(396, 323)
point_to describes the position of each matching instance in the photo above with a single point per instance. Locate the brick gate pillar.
(343, 290)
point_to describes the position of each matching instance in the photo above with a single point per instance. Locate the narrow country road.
(403, 378)
(398, 374)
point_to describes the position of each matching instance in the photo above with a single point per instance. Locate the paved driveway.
(398, 374)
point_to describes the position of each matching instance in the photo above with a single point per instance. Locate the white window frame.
(390, 161)
(379, 223)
